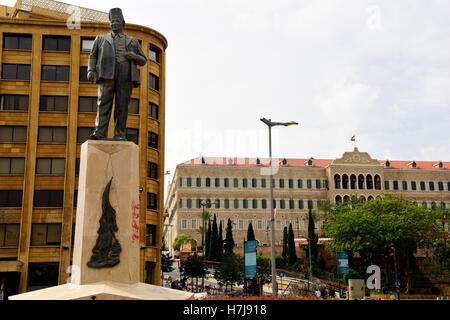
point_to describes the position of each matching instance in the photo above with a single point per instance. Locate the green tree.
(312, 236)
(292, 255)
(285, 245)
(374, 228)
(181, 239)
(263, 271)
(220, 244)
(166, 259)
(194, 267)
(208, 240)
(229, 242)
(214, 241)
(250, 233)
(230, 272)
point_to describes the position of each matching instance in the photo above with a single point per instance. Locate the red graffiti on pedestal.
(134, 221)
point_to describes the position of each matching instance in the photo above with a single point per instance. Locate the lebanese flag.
(2, 290)
(352, 138)
(167, 172)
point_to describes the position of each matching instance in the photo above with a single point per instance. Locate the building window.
(395, 185)
(52, 134)
(208, 182)
(9, 234)
(83, 134)
(235, 183)
(16, 102)
(152, 170)
(151, 201)
(422, 185)
(154, 54)
(281, 182)
(11, 198)
(52, 166)
(217, 182)
(199, 203)
(226, 182)
(13, 134)
(282, 205)
(241, 224)
(227, 203)
(153, 82)
(189, 203)
(189, 182)
(413, 185)
(263, 183)
(55, 73)
(299, 183)
(86, 44)
(404, 185)
(87, 104)
(440, 186)
(386, 184)
(152, 140)
(16, 71)
(12, 165)
(149, 276)
(245, 204)
(150, 235)
(198, 182)
(310, 204)
(264, 203)
(153, 111)
(300, 204)
(244, 183)
(132, 134)
(236, 203)
(431, 184)
(56, 43)
(309, 183)
(17, 41)
(291, 204)
(133, 106)
(254, 204)
(193, 224)
(217, 203)
(318, 186)
(82, 76)
(42, 275)
(75, 202)
(53, 103)
(45, 234)
(48, 198)
(291, 183)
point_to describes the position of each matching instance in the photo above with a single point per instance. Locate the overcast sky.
(379, 70)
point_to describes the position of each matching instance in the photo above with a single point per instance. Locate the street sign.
(342, 262)
(250, 259)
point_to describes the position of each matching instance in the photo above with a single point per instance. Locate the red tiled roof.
(317, 163)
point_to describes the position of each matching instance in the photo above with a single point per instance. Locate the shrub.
(279, 262)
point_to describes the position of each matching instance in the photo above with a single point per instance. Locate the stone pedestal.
(103, 163)
(100, 161)
(356, 289)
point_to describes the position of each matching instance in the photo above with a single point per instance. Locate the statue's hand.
(131, 55)
(91, 76)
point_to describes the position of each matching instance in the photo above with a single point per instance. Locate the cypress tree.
(313, 238)
(292, 255)
(220, 242)
(214, 246)
(250, 233)
(208, 239)
(285, 246)
(229, 242)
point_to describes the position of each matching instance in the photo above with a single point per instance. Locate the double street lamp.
(271, 124)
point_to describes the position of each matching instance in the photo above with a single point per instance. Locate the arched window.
(362, 198)
(369, 181)
(377, 180)
(353, 182)
(346, 198)
(361, 182)
(344, 181)
(337, 181)
(369, 198)
(338, 199)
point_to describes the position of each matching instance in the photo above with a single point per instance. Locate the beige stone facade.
(47, 107)
(298, 185)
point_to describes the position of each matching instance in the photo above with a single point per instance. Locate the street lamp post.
(271, 124)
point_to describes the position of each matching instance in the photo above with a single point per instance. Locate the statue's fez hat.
(116, 13)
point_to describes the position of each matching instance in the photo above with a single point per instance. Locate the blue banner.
(342, 262)
(250, 259)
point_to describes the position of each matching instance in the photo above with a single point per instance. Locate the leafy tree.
(280, 262)
(250, 233)
(374, 228)
(194, 267)
(263, 270)
(230, 271)
(292, 255)
(229, 242)
(312, 236)
(285, 246)
(181, 239)
(166, 260)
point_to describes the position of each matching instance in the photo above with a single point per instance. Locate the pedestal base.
(105, 290)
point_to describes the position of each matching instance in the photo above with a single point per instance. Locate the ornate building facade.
(47, 110)
(239, 189)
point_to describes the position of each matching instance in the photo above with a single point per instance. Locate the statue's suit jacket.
(102, 58)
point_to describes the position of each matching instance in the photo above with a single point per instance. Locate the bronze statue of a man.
(112, 64)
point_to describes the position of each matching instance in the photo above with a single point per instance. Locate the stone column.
(100, 162)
